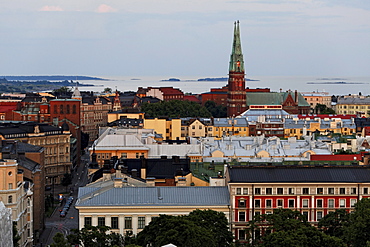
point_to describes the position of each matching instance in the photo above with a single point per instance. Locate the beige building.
(17, 195)
(130, 209)
(314, 98)
(353, 105)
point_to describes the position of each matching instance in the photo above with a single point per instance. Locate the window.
(342, 203)
(305, 191)
(245, 191)
(128, 222)
(331, 203)
(279, 191)
(101, 221)
(241, 203)
(268, 191)
(114, 222)
(319, 191)
(319, 215)
(88, 221)
(305, 214)
(193, 127)
(291, 191)
(74, 109)
(55, 109)
(319, 203)
(257, 191)
(10, 199)
(241, 216)
(305, 203)
(241, 234)
(291, 203)
(61, 109)
(331, 191)
(124, 155)
(353, 202)
(268, 203)
(10, 186)
(280, 203)
(353, 191)
(366, 191)
(140, 222)
(238, 191)
(257, 203)
(342, 191)
(68, 109)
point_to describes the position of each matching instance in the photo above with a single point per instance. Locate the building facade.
(309, 190)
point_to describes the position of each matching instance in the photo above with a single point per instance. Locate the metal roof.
(156, 196)
(299, 174)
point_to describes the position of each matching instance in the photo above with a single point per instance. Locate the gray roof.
(299, 174)
(155, 196)
(356, 101)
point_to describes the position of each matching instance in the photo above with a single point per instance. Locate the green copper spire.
(236, 58)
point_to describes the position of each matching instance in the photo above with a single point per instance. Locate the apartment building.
(313, 191)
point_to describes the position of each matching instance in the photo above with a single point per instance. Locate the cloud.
(103, 8)
(51, 8)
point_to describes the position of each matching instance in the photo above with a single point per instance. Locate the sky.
(184, 37)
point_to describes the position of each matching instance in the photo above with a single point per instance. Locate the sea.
(335, 85)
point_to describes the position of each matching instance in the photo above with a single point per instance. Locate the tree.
(216, 222)
(323, 109)
(66, 180)
(289, 228)
(357, 232)
(175, 108)
(16, 236)
(59, 241)
(62, 91)
(334, 222)
(217, 111)
(178, 230)
(107, 90)
(95, 236)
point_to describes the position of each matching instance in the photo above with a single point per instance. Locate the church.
(237, 98)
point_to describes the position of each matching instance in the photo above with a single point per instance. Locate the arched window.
(61, 109)
(74, 109)
(68, 109)
(55, 109)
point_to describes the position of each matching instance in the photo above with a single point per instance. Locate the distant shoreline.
(208, 79)
(337, 82)
(52, 78)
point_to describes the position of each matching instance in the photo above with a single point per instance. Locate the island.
(221, 79)
(172, 79)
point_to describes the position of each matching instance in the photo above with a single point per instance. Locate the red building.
(313, 191)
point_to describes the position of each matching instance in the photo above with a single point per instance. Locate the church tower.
(236, 95)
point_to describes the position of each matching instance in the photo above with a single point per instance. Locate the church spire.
(236, 58)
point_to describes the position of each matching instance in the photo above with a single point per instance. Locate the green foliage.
(95, 236)
(62, 90)
(323, 109)
(16, 236)
(60, 241)
(290, 228)
(67, 179)
(333, 223)
(175, 109)
(199, 228)
(107, 90)
(217, 111)
(357, 232)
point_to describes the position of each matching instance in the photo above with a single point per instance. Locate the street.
(55, 223)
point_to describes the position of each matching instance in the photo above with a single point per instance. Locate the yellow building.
(358, 105)
(17, 195)
(322, 126)
(170, 129)
(113, 116)
(230, 127)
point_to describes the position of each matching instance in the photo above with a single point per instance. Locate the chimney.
(134, 173)
(295, 96)
(124, 169)
(117, 183)
(143, 167)
(181, 181)
(150, 181)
